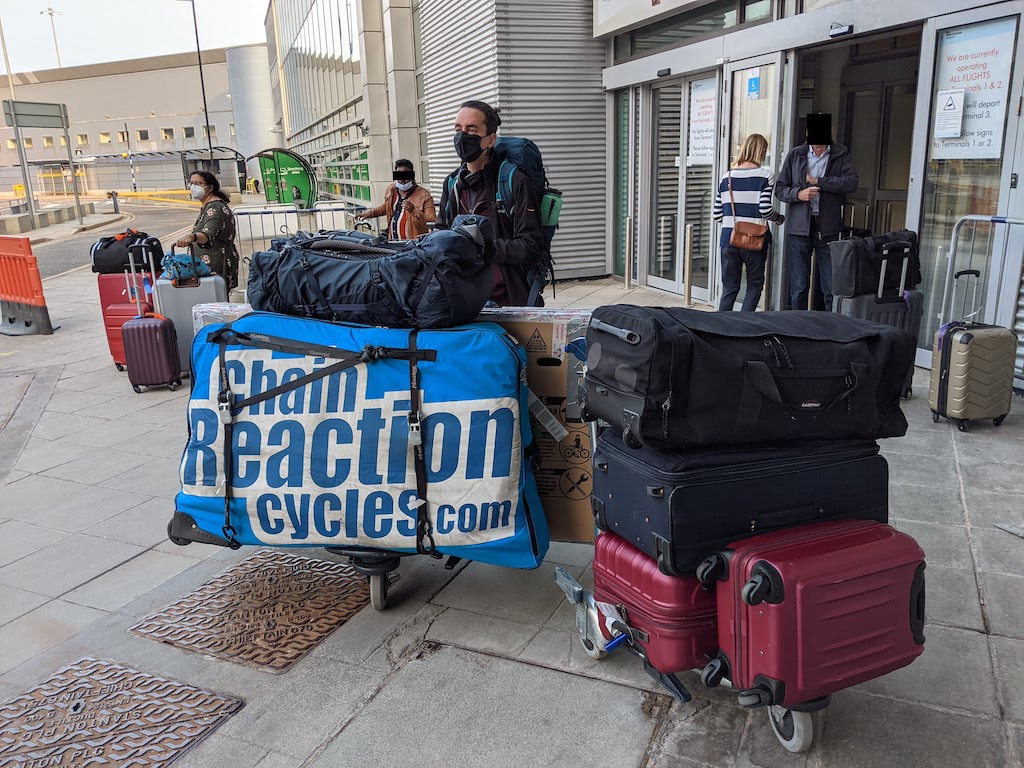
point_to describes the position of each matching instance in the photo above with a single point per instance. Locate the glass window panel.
(82, 138)
(755, 10)
(12, 144)
(621, 209)
(708, 19)
(750, 115)
(667, 152)
(28, 142)
(896, 145)
(47, 141)
(104, 138)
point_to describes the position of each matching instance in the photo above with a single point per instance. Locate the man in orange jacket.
(407, 206)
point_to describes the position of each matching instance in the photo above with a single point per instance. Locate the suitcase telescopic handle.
(903, 249)
(976, 274)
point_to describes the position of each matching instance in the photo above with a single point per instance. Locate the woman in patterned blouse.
(214, 230)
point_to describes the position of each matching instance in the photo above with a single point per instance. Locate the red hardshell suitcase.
(805, 612)
(674, 617)
(118, 305)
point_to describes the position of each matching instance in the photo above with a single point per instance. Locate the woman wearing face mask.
(407, 206)
(213, 235)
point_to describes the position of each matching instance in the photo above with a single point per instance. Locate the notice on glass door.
(700, 141)
(974, 61)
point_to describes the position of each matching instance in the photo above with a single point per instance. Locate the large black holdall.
(109, 255)
(679, 506)
(858, 264)
(439, 280)
(675, 378)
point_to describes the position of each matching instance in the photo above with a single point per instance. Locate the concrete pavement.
(479, 666)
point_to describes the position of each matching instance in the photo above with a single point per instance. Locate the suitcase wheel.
(119, 366)
(794, 730)
(962, 425)
(711, 569)
(756, 590)
(998, 421)
(137, 388)
(173, 385)
(713, 674)
(755, 697)
(176, 539)
(908, 393)
(378, 590)
(935, 417)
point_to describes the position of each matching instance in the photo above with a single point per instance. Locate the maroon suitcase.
(118, 306)
(151, 351)
(671, 617)
(808, 611)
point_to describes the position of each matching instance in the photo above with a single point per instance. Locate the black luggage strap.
(332, 309)
(228, 406)
(424, 528)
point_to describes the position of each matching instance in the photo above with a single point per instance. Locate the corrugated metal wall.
(536, 61)
(1018, 326)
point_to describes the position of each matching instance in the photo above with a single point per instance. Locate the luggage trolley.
(602, 634)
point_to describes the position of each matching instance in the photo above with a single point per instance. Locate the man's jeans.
(798, 258)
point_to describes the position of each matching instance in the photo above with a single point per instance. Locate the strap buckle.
(224, 406)
(415, 430)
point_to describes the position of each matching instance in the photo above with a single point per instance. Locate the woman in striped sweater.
(752, 188)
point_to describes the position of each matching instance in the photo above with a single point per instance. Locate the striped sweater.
(752, 188)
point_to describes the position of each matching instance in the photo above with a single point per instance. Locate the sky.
(97, 31)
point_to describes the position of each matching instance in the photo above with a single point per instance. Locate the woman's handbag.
(745, 235)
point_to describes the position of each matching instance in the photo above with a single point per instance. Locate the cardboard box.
(564, 468)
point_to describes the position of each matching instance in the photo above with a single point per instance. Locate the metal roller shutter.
(536, 61)
(1018, 326)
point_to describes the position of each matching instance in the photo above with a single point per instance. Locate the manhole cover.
(267, 611)
(97, 712)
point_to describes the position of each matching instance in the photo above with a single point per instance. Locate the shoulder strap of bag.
(506, 171)
(732, 200)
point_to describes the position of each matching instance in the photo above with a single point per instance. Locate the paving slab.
(1000, 478)
(951, 597)
(67, 564)
(1009, 658)
(17, 602)
(220, 750)
(984, 509)
(999, 551)
(944, 545)
(144, 525)
(119, 586)
(76, 402)
(864, 731)
(919, 469)
(279, 760)
(925, 503)
(481, 633)
(1004, 600)
(563, 650)
(40, 629)
(517, 715)
(19, 539)
(39, 455)
(528, 597)
(94, 470)
(53, 425)
(81, 508)
(699, 734)
(569, 553)
(925, 438)
(955, 670)
(152, 477)
(982, 446)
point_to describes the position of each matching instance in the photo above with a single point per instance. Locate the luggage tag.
(614, 623)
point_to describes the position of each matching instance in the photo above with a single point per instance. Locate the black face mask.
(467, 146)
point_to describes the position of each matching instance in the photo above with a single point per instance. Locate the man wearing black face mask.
(407, 206)
(519, 241)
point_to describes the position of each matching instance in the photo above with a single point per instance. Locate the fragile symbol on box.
(536, 343)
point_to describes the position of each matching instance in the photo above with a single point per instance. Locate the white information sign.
(700, 142)
(976, 60)
(949, 115)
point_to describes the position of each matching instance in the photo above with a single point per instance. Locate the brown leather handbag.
(745, 235)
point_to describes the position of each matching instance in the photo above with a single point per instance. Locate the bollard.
(23, 309)
(113, 197)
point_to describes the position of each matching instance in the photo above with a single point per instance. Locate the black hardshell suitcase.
(678, 378)
(679, 506)
(898, 305)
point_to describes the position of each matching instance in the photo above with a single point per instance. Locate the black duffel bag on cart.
(109, 255)
(676, 378)
(441, 279)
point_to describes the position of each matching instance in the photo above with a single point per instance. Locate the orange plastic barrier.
(22, 306)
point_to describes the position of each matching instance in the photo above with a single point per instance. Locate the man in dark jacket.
(473, 188)
(815, 178)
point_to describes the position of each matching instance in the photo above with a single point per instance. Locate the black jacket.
(518, 239)
(839, 180)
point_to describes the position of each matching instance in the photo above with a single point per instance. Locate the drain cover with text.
(267, 611)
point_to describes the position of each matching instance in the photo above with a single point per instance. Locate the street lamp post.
(53, 28)
(202, 81)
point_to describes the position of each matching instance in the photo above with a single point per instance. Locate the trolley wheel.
(137, 388)
(176, 539)
(713, 673)
(119, 366)
(935, 417)
(173, 385)
(998, 421)
(755, 590)
(593, 651)
(794, 730)
(962, 425)
(757, 697)
(378, 591)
